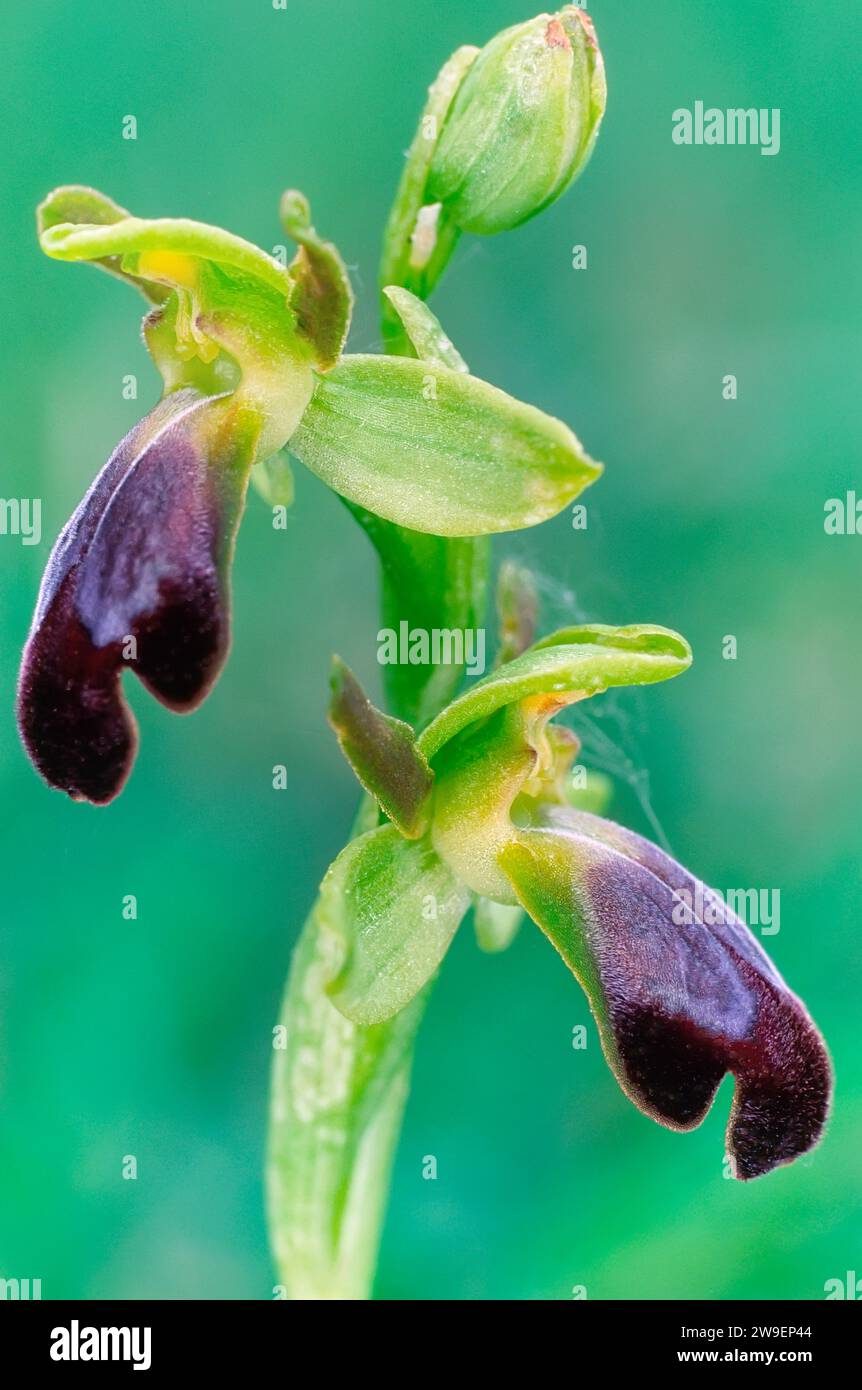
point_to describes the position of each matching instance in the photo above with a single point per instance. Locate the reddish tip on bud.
(555, 35)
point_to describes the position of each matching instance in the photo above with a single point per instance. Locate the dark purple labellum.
(681, 990)
(136, 579)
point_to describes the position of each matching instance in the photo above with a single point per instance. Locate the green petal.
(436, 450)
(395, 907)
(382, 752)
(323, 298)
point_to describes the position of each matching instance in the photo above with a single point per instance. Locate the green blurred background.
(152, 1037)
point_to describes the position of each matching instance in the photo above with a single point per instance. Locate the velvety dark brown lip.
(681, 999)
(136, 579)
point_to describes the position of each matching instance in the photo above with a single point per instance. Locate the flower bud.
(522, 125)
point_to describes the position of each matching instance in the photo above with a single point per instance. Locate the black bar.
(646, 1337)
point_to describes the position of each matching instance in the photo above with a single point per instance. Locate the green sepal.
(132, 237)
(323, 298)
(436, 450)
(498, 761)
(74, 204)
(382, 752)
(394, 906)
(570, 665)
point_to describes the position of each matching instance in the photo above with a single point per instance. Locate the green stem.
(338, 1089)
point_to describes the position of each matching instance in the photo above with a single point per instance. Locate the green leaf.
(418, 242)
(323, 299)
(382, 752)
(395, 907)
(496, 924)
(438, 451)
(424, 330)
(585, 662)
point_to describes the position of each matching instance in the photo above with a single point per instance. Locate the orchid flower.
(250, 353)
(478, 809)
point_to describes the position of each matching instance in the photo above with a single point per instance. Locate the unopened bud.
(523, 123)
